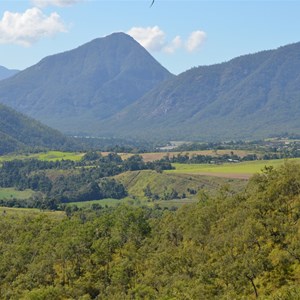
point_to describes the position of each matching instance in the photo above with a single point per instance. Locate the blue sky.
(179, 34)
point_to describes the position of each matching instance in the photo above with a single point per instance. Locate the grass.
(161, 183)
(13, 212)
(49, 156)
(172, 203)
(102, 202)
(113, 202)
(249, 168)
(9, 193)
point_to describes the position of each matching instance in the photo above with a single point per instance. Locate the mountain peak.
(73, 90)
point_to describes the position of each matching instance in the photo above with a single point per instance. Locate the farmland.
(49, 156)
(31, 212)
(140, 183)
(159, 155)
(10, 193)
(241, 170)
(151, 156)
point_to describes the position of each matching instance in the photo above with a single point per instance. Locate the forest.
(229, 246)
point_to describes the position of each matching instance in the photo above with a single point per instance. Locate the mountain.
(6, 73)
(252, 96)
(18, 132)
(74, 90)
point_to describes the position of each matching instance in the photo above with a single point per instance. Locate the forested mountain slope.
(18, 132)
(74, 90)
(252, 96)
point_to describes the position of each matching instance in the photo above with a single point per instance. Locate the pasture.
(13, 212)
(49, 156)
(11, 193)
(102, 202)
(241, 170)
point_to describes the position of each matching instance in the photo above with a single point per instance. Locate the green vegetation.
(61, 181)
(101, 202)
(13, 212)
(244, 98)
(47, 155)
(226, 246)
(9, 193)
(153, 186)
(115, 72)
(247, 168)
(21, 133)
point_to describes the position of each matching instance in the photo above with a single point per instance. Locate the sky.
(179, 34)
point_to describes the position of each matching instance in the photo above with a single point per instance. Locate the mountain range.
(113, 87)
(6, 73)
(252, 96)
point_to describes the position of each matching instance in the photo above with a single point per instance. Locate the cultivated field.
(159, 155)
(49, 155)
(242, 170)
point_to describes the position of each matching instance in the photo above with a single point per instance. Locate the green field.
(49, 155)
(243, 168)
(102, 202)
(10, 193)
(113, 202)
(12, 211)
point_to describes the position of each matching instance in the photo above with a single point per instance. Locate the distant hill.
(18, 132)
(6, 73)
(74, 90)
(252, 96)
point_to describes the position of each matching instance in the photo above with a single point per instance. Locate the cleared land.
(159, 155)
(11, 193)
(49, 155)
(163, 183)
(241, 170)
(102, 202)
(76, 156)
(13, 212)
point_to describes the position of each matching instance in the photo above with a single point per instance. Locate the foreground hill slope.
(6, 73)
(18, 132)
(72, 91)
(251, 96)
(230, 246)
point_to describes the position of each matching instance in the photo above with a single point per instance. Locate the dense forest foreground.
(228, 246)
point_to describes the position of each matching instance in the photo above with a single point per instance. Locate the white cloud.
(61, 3)
(151, 38)
(154, 39)
(28, 27)
(195, 40)
(174, 45)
